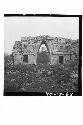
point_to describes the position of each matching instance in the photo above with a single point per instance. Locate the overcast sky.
(17, 27)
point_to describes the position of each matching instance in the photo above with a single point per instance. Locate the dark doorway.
(61, 59)
(43, 58)
(43, 55)
(25, 58)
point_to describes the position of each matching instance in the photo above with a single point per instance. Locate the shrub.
(37, 77)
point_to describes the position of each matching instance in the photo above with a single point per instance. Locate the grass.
(41, 78)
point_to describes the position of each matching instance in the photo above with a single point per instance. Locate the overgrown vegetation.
(40, 78)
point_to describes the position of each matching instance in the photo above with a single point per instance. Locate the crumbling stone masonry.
(27, 51)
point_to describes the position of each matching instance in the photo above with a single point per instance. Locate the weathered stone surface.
(30, 46)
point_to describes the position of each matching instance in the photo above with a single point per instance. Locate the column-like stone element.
(31, 59)
(18, 58)
(54, 59)
(66, 58)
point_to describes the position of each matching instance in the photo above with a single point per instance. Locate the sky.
(17, 27)
(43, 48)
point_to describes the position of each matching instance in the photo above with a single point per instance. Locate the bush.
(39, 78)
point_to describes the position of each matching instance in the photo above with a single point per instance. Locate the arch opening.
(43, 54)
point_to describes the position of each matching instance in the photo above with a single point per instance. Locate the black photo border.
(79, 93)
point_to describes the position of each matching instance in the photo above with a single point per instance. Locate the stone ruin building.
(29, 50)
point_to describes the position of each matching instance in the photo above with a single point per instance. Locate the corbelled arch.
(43, 56)
(44, 42)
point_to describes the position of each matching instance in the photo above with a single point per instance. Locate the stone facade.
(26, 51)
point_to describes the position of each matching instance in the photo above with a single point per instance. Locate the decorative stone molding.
(30, 46)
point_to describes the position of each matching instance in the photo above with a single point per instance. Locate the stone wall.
(30, 46)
